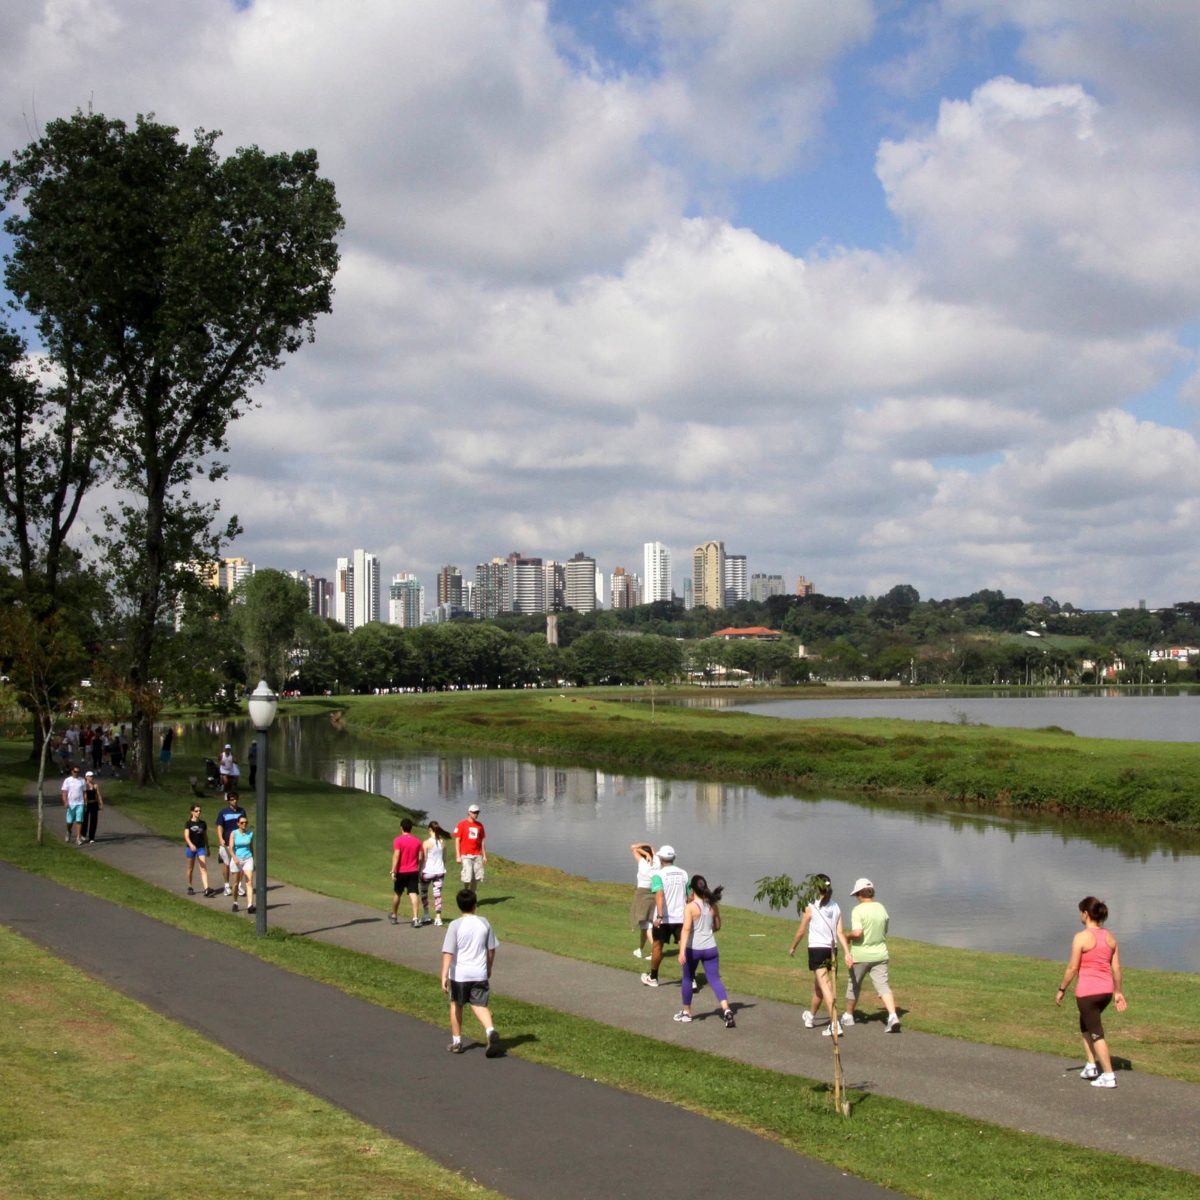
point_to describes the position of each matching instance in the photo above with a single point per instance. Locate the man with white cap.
(469, 850)
(670, 888)
(868, 937)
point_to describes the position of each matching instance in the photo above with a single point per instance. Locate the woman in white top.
(433, 871)
(697, 944)
(822, 922)
(641, 913)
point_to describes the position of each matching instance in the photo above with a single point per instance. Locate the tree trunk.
(145, 627)
(41, 810)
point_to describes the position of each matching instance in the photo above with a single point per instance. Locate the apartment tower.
(656, 573)
(581, 590)
(366, 588)
(708, 575)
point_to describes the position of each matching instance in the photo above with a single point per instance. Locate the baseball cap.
(666, 852)
(473, 808)
(228, 746)
(88, 775)
(860, 884)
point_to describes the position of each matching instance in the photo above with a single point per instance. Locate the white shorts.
(241, 864)
(223, 856)
(472, 868)
(879, 977)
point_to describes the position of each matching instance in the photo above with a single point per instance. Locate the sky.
(871, 290)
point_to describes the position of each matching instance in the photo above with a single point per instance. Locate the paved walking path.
(1147, 1117)
(528, 1131)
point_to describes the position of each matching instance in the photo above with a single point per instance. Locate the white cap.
(666, 852)
(473, 808)
(88, 775)
(228, 746)
(861, 885)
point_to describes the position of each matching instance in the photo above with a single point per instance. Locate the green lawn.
(916, 1151)
(100, 1097)
(1008, 769)
(338, 841)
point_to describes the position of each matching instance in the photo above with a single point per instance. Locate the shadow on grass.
(492, 900)
(343, 925)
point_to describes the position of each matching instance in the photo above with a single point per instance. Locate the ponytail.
(1096, 909)
(701, 890)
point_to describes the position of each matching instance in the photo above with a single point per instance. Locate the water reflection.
(958, 878)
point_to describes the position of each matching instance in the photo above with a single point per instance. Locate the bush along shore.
(1047, 771)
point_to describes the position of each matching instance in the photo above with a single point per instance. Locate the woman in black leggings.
(93, 802)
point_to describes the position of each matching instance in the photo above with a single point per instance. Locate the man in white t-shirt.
(73, 798)
(670, 887)
(468, 952)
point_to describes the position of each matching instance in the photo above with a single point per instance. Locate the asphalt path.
(530, 1132)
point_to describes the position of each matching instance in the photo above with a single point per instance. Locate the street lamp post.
(263, 703)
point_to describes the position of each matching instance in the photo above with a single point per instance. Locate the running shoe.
(191, 891)
(241, 889)
(807, 1017)
(228, 890)
(235, 906)
(828, 1030)
(252, 908)
(207, 893)
(437, 921)
(493, 1045)
(637, 954)
(1091, 1071)
(893, 1024)
(416, 923)
(455, 1047)
(1105, 1081)
(727, 1014)
(847, 1019)
(91, 841)
(392, 919)
(684, 1018)
(649, 979)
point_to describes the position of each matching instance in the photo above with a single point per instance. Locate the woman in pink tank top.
(1096, 961)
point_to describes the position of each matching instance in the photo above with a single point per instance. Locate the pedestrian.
(698, 944)
(241, 861)
(116, 753)
(822, 921)
(106, 749)
(469, 849)
(433, 870)
(93, 802)
(407, 857)
(468, 953)
(195, 840)
(252, 763)
(64, 755)
(1096, 967)
(670, 888)
(868, 932)
(73, 789)
(225, 765)
(227, 820)
(641, 912)
(168, 741)
(97, 745)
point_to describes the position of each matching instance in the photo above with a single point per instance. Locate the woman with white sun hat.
(867, 936)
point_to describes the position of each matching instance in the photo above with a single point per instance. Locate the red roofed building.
(755, 633)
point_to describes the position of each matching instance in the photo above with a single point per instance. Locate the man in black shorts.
(408, 854)
(670, 887)
(468, 952)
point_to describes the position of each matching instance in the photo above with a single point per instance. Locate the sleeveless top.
(702, 937)
(435, 861)
(822, 928)
(1095, 968)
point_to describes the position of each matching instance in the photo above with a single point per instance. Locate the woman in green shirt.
(868, 935)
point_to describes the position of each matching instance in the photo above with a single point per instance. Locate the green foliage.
(779, 892)
(269, 610)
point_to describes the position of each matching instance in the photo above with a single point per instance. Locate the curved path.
(1148, 1116)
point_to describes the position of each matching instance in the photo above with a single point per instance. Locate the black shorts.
(819, 956)
(1090, 1008)
(406, 881)
(475, 992)
(668, 933)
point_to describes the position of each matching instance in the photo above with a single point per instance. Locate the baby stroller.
(212, 775)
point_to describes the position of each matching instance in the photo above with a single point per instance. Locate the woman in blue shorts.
(195, 841)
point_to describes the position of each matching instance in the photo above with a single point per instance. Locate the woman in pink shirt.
(1096, 961)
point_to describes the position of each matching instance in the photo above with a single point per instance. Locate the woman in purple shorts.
(697, 944)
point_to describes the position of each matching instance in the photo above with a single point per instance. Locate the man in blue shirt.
(227, 820)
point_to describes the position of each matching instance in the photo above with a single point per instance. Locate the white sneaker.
(847, 1019)
(828, 1030)
(228, 890)
(1091, 1071)
(637, 954)
(1105, 1081)
(649, 980)
(807, 1017)
(437, 921)
(893, 1024)
(241, 889)
(684, 1017)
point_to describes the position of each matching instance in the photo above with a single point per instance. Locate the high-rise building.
(735, 579)
(525, 584)
(581, 583)
(763, 586)
(343, 593)
(689, 594)
(556, 585)
(449, 587)
(366, 588)
(320, 591)
(233, 571)
(656, 573)
(488, 600)
(803, 587)
(708, 575)
(625, 589)
(468, 599)
(599, 588)
(406, 601)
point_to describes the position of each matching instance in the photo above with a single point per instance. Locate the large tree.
(177, 279)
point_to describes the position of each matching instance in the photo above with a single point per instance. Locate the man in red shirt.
(407, 856)
(469, 849)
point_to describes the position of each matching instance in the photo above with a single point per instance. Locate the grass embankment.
(917, 1151)
(1013, 769)
(338, 841)
(100, 1097)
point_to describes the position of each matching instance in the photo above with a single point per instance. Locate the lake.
(955, 879)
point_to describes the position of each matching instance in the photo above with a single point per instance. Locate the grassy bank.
(916, 1151)
(337, 841)
(100, 1097)
(1013, 769)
